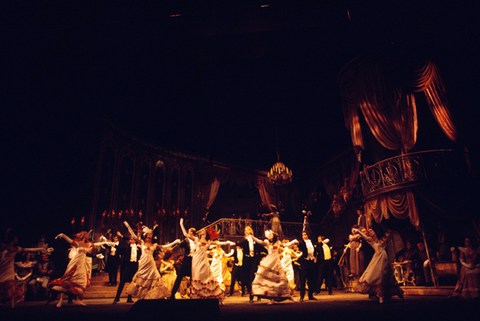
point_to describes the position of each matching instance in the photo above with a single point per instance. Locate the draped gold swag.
(383, 86)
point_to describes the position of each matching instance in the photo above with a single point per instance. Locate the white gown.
(147, 282)
(75, 279)
(270, 279)
(203, 284)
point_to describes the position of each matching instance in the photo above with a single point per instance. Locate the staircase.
(99, 288)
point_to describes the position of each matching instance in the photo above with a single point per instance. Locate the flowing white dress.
(203, 284)
(75, 279)
(270, 279)
(8, 286)
(147, 282)
(378, 278)
(217, 268)
(287, 266)
(169, 275)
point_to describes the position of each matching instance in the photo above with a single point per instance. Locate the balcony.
(412, 169)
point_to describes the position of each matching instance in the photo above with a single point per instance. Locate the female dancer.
(218, 255)
(289, 255)
(468, 284)
(24, 272)
(271, 280)
(8, 287)
(356, 255)
(203, 284)
(147, 283)
(75, 279)
(378, 278)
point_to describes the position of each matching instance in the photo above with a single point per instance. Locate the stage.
(339, 306)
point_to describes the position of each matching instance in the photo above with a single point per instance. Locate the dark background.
(219, 80)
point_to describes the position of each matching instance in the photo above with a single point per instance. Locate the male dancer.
(307, 266)
(186, 269)
(325, 265)
(237, 270)
(250, 262)
(130, 255)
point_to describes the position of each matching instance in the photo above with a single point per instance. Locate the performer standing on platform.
(250, 255)
(131, 254)
(147, 283)
(203, 284)
(270, 281)
(188, 245)
(307, 266)
(378, 278)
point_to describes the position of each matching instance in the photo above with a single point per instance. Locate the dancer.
(9, 291)
(378, 278)
(189, 248)
(289, 255)
(218, 254)
(237, 270)
(75, 279)
(356, 255)
(203, 284)
(147, 283)
(270, 279)
(250, 260)
(131, 256)
(307, 266)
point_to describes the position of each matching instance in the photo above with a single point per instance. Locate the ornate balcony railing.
(233, 229)
(412, 169)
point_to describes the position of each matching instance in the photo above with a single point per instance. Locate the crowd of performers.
(261, 267)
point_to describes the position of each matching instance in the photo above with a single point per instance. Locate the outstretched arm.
(259, 241)
(184, 231)
(223, 243)
(66, 238)
(361, 233)
(132, 233)
(290, 243)
(230, 253)
(171, 244)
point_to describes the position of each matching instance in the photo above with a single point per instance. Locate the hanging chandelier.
(279, 174)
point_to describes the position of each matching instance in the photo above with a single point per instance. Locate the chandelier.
(279, 174)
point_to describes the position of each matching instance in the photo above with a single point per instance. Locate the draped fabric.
(383, 88)
(214, 176)
(383, 85)
(265, 190)
(400, 204)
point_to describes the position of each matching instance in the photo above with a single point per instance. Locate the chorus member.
(147, 283)
(75, 279)
(131, 254)
(203, 284)
(185, 270)
(218, 255)
(167, 270)
(9, 291)
(250, 259)
(378, 278)
(307, 266)
(275, 223)
(113, 262)
(356, 255)
(24, 274)
(326, 265)
(237, 270)
(45, 271)
(270, 279)
(468, 284)
(288, 256)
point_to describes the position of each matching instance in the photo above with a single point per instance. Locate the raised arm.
(66, 238)
(132, 233)
(263, 243)
(361, 234)
(184, 231)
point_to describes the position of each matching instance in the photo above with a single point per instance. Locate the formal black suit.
(307, 270)
(325, 269)
(250, 263)
(185, 269)
(237, 272)
(127, 268)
